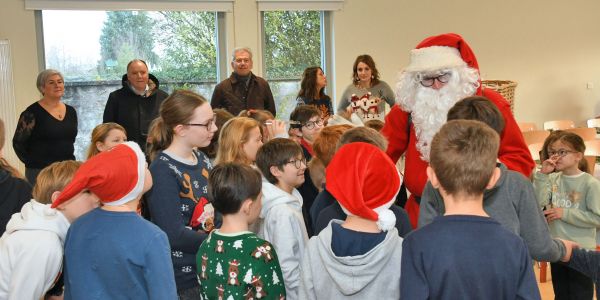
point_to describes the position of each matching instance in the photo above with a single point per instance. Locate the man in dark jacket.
(135, 105)
(243, 90)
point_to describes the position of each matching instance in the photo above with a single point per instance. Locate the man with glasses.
(442, 70)
(243, 90)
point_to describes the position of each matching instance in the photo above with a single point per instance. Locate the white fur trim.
(387, 219)
(434, 58)
(141, 171)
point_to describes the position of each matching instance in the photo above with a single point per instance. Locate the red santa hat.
(365, 182)
(116, 176)
(447, 50)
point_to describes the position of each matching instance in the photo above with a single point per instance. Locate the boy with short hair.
(468, 255)
(111, 252)
(306, 122)
(252, 268)
(358, 258)
(282, 165)
(511, 201)
(31, 249)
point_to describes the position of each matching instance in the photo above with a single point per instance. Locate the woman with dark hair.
(367, 93)
(312, 91)
(47, 128)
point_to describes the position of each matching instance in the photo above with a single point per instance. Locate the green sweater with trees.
(252, 268)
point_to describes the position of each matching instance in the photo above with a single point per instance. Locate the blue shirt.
(117, 255)
(466, 257)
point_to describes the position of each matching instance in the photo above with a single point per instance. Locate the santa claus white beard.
(429, 107)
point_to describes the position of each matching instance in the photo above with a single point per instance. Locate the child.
(465, 254)
(511, 201)
(105, 136)
(31, 249)
(332, 209)
(222, 116)
(15, 190)
(112, 252)
(358, 258)
(253, 267)
(281, 222)
(569, 197)
(239, 141)
(269, 127)
(306, 122)
(177, 203)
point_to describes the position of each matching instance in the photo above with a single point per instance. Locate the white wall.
(551, 48)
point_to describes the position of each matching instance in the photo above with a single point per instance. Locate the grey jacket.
(512, 203)
(374, 275)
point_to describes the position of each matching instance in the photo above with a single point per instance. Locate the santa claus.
(442, 70)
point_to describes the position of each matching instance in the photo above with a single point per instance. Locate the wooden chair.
(527, 126)
(558, 124)
(587, 134)
(535, 136)
(535, 149)
(592, 151)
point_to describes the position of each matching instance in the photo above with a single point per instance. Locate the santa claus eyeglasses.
(428, 81)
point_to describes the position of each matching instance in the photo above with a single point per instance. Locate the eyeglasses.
(560, 153)
(297, 162)
(430, 80)
(208, 123)
(312, 124)
(242, 60)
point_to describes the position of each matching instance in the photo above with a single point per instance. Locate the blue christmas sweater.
(178, 205)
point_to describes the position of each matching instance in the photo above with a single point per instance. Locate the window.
(292, 41)
(92, 49)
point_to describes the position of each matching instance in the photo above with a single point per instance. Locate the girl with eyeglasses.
(178, 202)
(570, 198)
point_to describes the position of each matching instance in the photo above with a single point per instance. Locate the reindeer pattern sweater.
(179, 206)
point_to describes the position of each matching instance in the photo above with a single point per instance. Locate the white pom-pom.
(387, 219)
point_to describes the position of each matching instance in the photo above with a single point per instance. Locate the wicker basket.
(506, 88)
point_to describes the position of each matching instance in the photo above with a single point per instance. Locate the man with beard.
(442, 70)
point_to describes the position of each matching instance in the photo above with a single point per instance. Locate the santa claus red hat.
(116, 176)
(441, 51)
(365, 182)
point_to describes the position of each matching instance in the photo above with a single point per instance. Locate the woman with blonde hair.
(239, 140)
(178, 202)
(105, 136)
(14, 190)
(47, 128)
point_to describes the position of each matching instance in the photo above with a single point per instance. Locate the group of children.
(241, 229)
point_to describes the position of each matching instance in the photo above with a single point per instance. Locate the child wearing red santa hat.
(111, 252)
(359, 257)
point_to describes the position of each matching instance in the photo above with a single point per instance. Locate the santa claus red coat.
(513, 151)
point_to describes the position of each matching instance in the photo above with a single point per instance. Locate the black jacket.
(14, 193)
(133, 112)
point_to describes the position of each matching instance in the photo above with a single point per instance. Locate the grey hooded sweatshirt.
(282, 224)
(373, 275)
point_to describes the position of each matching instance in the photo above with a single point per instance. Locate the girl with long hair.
(178, 202)
(570, 199)
(312, 91)
(367, 94)
(239, 141)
